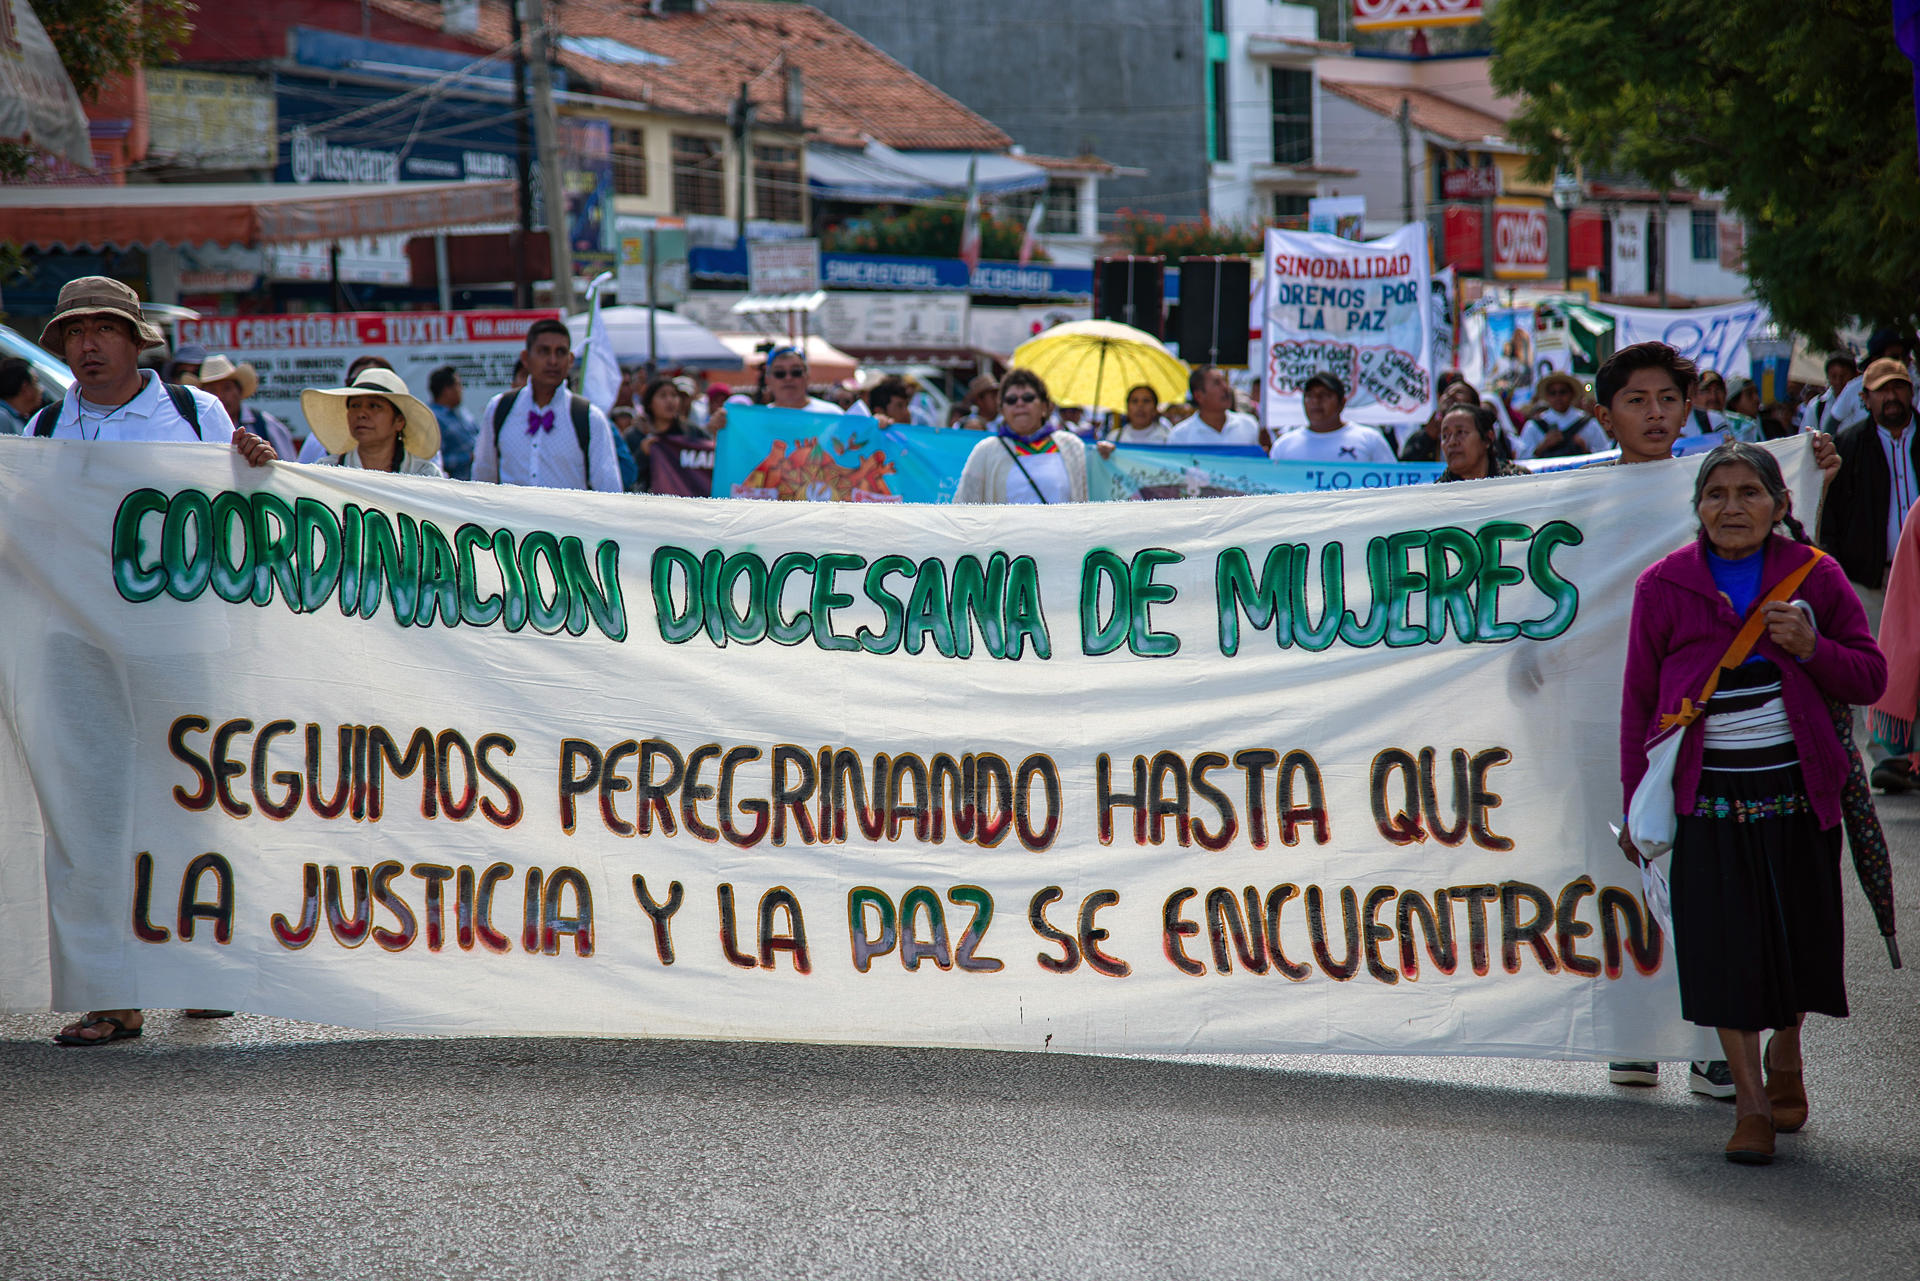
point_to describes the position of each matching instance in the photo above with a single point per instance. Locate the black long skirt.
(1759, 937)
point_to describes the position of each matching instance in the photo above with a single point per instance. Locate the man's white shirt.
(149, 416)
(1239, 429)
(1347, 443)
(549, 459)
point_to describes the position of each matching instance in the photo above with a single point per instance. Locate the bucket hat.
(101, 296)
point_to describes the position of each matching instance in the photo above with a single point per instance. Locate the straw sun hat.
(326, 413)
(216, 368)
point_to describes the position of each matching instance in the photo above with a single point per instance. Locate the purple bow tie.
(539, 422)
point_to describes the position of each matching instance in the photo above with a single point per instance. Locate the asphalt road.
(260, 1147)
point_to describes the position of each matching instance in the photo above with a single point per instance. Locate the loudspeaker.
(1214, 310)
(1130, 291)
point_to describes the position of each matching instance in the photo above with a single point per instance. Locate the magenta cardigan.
(1682, 627)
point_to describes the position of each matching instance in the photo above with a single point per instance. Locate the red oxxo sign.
(1519, 241)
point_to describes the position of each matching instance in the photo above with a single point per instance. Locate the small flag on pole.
(601, 384)
(1030, 240)
(970, 223)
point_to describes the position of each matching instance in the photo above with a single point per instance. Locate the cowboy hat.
(101, 296)
(326, 413)
(216, 368)
(1540, 388)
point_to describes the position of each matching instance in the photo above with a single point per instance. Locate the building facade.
(1125, 80)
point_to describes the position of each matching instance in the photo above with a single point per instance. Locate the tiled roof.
(852, 91)
(1441, 117)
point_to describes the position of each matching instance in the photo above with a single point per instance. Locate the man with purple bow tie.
(544, 434)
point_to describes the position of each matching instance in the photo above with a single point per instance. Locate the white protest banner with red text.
(1357, 308)
(422, 756)
(292, 353)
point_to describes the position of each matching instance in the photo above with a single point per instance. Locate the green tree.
(1802, 114)
(100, 39)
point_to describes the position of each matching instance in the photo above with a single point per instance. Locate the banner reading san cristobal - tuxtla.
(1325, 771)
(1357, 308)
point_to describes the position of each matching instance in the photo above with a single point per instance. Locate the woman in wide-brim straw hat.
(376, 424)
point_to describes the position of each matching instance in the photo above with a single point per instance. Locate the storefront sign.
(1476, 183)
(1387, 15)
(292, 353)
(210, 120)
(783, 266)
(1519, 242)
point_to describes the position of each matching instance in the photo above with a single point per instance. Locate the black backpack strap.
(186, 406)
(501, 408)
(43, 422)
(582, 429)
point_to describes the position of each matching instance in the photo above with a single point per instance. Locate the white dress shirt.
(547, 459)
(150, 415)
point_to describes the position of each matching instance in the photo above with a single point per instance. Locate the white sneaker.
(1712, 1078)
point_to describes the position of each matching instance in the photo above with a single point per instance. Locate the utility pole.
(741, 118)
(553, 177)
(523, 163)
(1406, 160)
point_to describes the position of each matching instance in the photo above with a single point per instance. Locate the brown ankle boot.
(1752, 1141)
(1787, 1091)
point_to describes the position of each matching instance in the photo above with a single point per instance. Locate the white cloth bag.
(1651, 821)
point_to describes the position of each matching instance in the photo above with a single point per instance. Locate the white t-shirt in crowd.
(1239, 429)
(1156, 432)
(1347, 443)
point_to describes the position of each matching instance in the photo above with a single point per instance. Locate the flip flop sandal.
(121, 1032)
(207, 1014)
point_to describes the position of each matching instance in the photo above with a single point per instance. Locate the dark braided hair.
(1764, 465)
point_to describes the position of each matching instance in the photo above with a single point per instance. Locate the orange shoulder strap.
(1743, 642)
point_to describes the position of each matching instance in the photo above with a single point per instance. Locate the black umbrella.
(1871, 862)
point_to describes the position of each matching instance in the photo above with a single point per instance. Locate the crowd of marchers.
(1762, 644)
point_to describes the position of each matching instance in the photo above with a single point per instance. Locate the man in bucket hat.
(98, 328)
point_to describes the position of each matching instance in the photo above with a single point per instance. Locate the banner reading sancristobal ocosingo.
(1302, 772)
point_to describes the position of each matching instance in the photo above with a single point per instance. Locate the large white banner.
(1711, 337)
(1359, 309)
(1305, 772)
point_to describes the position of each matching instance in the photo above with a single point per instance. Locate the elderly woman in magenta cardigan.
(1758, 935)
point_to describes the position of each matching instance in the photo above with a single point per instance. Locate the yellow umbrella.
(1094, 362)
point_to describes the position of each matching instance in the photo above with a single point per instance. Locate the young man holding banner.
(1644, 398)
